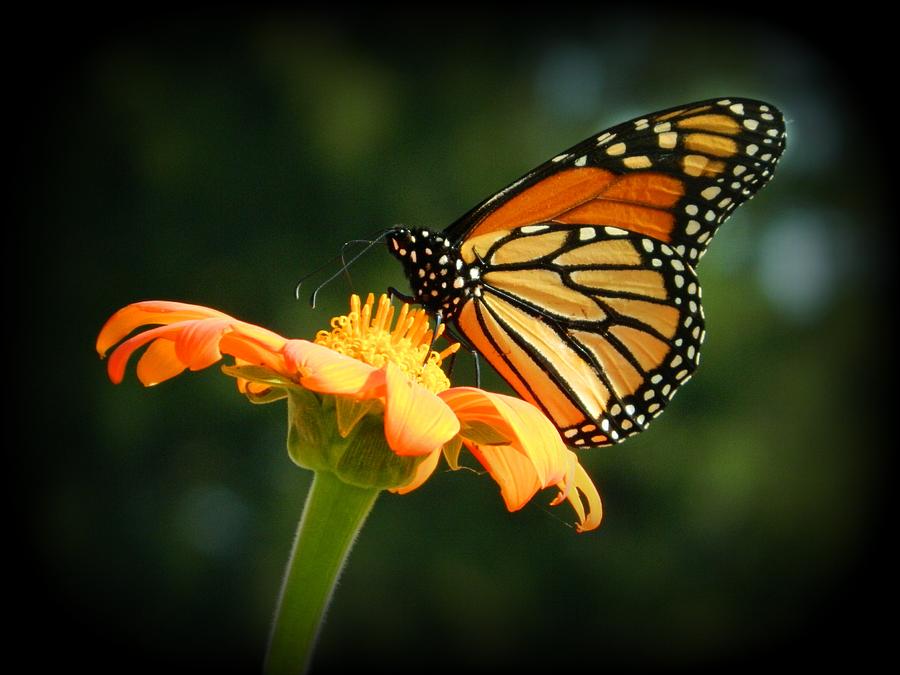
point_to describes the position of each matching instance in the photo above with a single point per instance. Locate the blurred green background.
(215, 159)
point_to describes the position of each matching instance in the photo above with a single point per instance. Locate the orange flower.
(362, 370)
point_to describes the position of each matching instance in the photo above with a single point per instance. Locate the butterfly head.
(439, 279)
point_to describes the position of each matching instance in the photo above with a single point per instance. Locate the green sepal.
(349, 412)
(277, 384)
(362, 458)
(307, 428)
(261, 375)
(269, 396)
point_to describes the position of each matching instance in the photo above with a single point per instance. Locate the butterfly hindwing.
(596, 325)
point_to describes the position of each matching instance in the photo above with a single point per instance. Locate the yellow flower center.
(372, 340)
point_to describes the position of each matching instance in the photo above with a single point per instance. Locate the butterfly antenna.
(344, 266)
(343, 256)
(308, 275)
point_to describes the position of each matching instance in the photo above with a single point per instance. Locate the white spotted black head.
(437, 275)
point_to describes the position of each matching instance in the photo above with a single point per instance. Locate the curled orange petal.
(475, 405)
(115, 367)
(327, 372)
(250, 348)
(511, 470)
(423, 473)
(580, 486)
(527, 429)
(416, 421)
(197, 342)
(159, 363)
(148, 313)
(534, 457)
(190, 336)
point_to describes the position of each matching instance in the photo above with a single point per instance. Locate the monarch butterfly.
(577, 282)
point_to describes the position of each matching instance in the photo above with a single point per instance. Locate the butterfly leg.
(402, 297)
(450, 333)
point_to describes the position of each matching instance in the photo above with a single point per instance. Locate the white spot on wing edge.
(637, 162)
(668, 139)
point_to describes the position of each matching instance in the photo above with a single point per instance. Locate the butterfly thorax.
(439, 278)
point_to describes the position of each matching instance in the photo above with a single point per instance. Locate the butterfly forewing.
(675, 175)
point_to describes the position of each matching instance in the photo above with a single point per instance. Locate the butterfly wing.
(577, 281)
(675, 175)
(595, 325)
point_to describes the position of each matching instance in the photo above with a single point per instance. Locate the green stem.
(334, 513)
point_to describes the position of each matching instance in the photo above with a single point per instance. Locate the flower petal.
(423, 473)
(159, 363)
(512, 471)
(475, 405)
(265, 338)
(591, 517)
(534, 458)
(247, 351)
(451, 451)
(191, 337)
(115, 367)
(147, 313)
(526, 428)
(416, 421)
(327, 372)
(197, 343)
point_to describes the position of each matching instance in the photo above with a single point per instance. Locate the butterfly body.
(578, 283)
(440, 280)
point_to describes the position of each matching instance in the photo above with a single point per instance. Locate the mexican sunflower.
(369, 409)
(363, 367)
